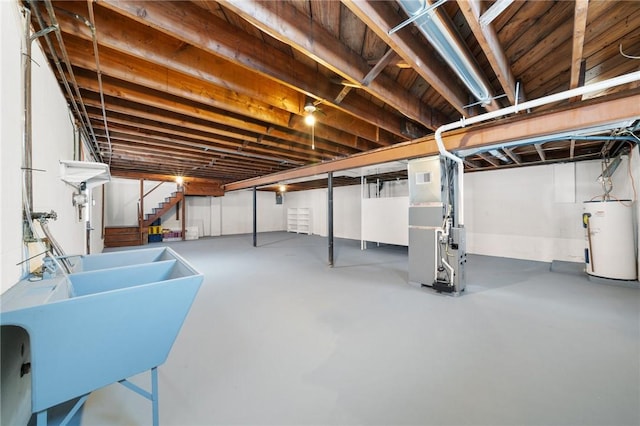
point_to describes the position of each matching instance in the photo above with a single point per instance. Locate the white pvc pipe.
(579, 91)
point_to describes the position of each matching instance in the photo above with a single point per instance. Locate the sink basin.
(116, 316)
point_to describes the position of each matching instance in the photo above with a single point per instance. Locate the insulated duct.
(448, 45)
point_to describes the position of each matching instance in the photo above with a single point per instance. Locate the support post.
(184, 216)
(141, 212)
(330, 215)
(255, 217)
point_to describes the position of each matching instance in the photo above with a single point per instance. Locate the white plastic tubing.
(602, 85)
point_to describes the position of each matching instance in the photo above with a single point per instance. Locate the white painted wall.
(346, 210)
(515, 212)
(237, 212)
(53, 140)
(10, 143)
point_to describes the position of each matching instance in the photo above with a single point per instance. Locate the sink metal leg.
(151, 396)
(41, 418)
(154, 395)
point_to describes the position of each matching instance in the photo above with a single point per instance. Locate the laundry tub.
(118, 316)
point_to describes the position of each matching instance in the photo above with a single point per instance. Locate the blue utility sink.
(117, 316)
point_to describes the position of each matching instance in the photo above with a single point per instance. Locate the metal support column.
(330, 215)
(255, 217)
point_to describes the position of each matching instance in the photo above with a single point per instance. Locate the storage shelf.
(299, 220)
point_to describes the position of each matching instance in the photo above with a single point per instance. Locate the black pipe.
(330, 215)
(255, 217)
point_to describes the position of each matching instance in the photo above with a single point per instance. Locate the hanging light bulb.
(309, 118)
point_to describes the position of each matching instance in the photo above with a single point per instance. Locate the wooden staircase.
(162, 208)
(124, 236)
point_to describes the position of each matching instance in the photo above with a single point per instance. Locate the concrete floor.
(275, 337)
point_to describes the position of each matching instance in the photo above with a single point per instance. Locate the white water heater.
(610, 239)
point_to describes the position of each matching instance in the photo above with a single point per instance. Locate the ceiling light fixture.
(310, 120)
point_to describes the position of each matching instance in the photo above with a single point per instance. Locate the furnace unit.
(437, 249)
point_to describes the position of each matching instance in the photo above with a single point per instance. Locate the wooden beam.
(514, 157)
(540, 151)
(198, 188)
(185, 22)
(472, 164)
(579, 30)
(308, 37)
(379, 67)
(343, 93)
(490, 44)
(489, 159)
(380, 17)
(587, 114)
(572, 149)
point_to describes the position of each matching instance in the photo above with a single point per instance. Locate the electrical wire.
(97, 57)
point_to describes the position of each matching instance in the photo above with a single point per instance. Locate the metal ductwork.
(448, 45)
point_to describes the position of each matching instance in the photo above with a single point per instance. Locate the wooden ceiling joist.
(380, 17)
(579, 28)
(184, 22)
(316, 42)
(490, 44)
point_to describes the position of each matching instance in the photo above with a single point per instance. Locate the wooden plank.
(540, 40)
(587, 114)
(511, 32)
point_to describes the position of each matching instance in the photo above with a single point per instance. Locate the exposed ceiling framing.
(216, 91)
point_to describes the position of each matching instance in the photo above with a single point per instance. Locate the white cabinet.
(299, 220)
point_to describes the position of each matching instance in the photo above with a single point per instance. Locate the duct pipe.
(448, 45)
(579, 91)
